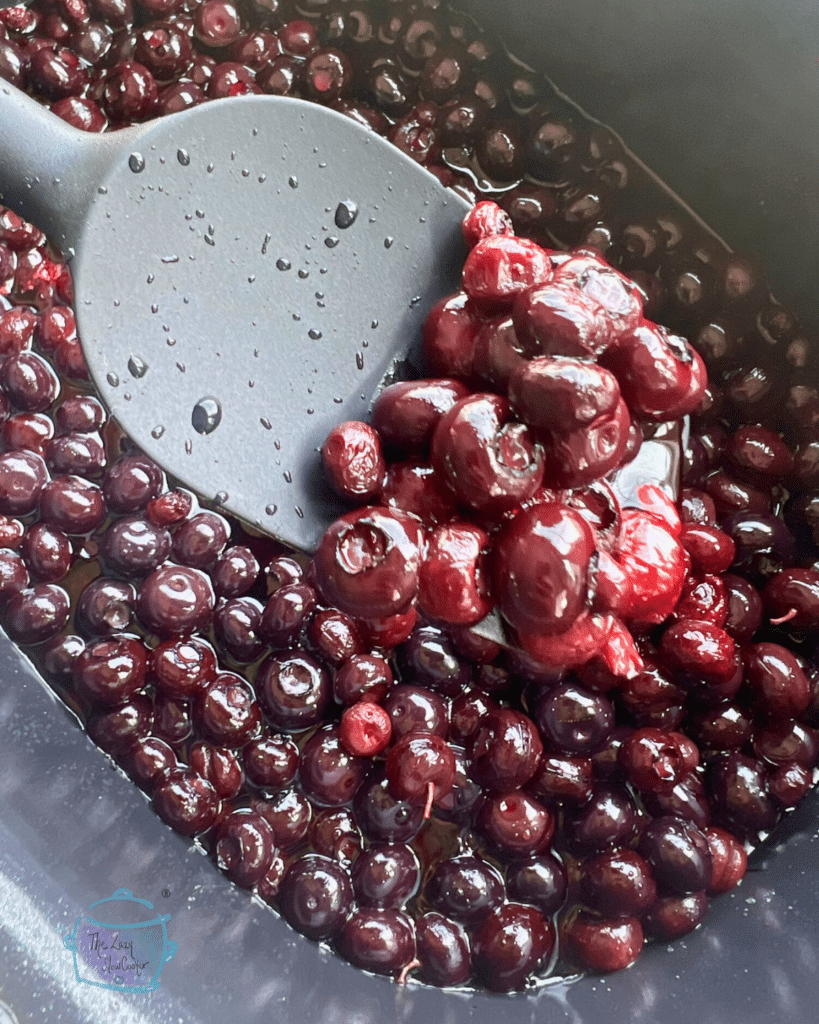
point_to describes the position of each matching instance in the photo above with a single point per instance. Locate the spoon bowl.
(247, 273)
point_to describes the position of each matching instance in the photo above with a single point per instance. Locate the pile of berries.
(550, 375)
(348, 737)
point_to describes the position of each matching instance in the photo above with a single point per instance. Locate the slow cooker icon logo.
(118, 943)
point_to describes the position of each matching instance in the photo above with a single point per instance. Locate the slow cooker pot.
(722, 101)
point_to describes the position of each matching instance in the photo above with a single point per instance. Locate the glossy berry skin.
(226, 713)
(710, 550)
(484, 219)
(328, 774)
(501, 267)
(744, 614)
(703, 655)
(539, 881)
(362, 677)
(271, 761)
(510, 944)
(449, 334)
(175, 600)
(110, 670)
(582, 455)
(574, 720)
(365, 729)
(705, 598)
(597, 281)
(603, 945)
(454, 579)
(671, 917)
(777, 680)
(558, 393)
(420, 767)
(405, 414)
(367, 562)
(36, 614)
(353, 461)
(678, 853)
(186, 802)
(562, 777)
(491, 463)
(245, 847)
(653, 760)
(316, 897)
(656, 563)
(465, 888)
(383, 818)
(381, 941)
(728, 860)
(794, 590)
(181, 668)
(23, 475)
(541, 568)
(504, 751)
(442, 949)
(515, 824)
(293, 689)
(557, 320)
(661, 376)
(618, 883)
(385, 875)
(220, 766)
(739, 790)
(607, 819)
(416, 709)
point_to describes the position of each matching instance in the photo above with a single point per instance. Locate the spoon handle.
(49, 171)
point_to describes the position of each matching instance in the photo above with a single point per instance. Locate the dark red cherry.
(501, 267)
(442, 949)
(777, 680)
(186, 802)
(36, 614)
(504, 751)
(353, 461)
(406, 414)
(541, 568)
(293, 689)
(512, 941)
(420, 768)
(378, 940)
(491, 463)
(454, 580)
(603, 945)
(660, 375)
(175, 600)
(328, 773)
(316, 897)
(367, 562)
(245, 847)
(560, 393)
(558, 320)
(449, 335)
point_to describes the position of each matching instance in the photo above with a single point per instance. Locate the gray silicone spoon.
(247, 273)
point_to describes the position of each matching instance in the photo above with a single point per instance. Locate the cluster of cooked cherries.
(337, 733)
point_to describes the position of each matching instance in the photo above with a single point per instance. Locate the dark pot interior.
(722, 101)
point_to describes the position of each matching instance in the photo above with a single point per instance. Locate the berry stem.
(784, 618)
(402, 977)
(430, 795)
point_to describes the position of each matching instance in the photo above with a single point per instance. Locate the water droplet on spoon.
(206, 415)
(137, 367)
(346, 214)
